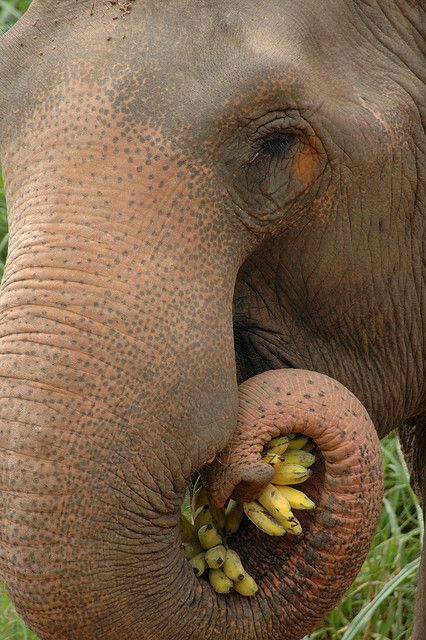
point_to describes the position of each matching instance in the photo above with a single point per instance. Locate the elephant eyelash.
(276, 142)
(275, 146)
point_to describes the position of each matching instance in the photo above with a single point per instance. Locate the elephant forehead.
(192, 70)
(197, 59)
(178, 61)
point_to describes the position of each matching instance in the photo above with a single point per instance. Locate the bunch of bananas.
(272, 511)
(205, 535)
(206, 530)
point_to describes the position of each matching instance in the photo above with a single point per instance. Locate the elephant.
(216, 236)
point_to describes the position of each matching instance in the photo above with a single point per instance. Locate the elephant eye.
(277, 146)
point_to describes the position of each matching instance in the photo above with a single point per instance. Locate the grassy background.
(379, 605)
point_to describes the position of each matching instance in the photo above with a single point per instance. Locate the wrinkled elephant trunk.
(104, 417)
(100, 556)
(299, 580)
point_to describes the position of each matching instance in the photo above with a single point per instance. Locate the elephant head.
(200, 194)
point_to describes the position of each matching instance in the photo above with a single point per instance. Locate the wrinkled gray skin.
(159, 164)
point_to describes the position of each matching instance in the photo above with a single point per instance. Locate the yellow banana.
(191, 549)
(234, 514)
(218, 516)
(247, 586)
(290, 474)
(272, 458)
(233, 567)
(209, 536)
(202, 516)
(298, 443)
(199, 498)
(293, 526)
(296, 498)
(262, 519)
(215, 557)
(187, 529)
(303, 458)
(275, 503)
(277, 445)
(199, 564)
(309, 446)
(219, 581)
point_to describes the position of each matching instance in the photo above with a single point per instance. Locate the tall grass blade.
(367, 611)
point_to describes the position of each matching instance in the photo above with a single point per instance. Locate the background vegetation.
(379, 605)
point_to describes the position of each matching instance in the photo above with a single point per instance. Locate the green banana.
(297, 443)
(233, 567)
(202, 516)
(277, 445)
(215, 556)
(191, 549)
(290, 474)
(272, 458)
(209, 536)
(199, 498)
(234, 513)
(309, 445)
(301, 457)
(220, 582)
(199, 564)
(218, 516)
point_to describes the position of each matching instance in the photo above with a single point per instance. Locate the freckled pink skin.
(127, 243)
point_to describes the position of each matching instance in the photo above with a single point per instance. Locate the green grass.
(11, 625)
(11, 10)
(379, 605)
